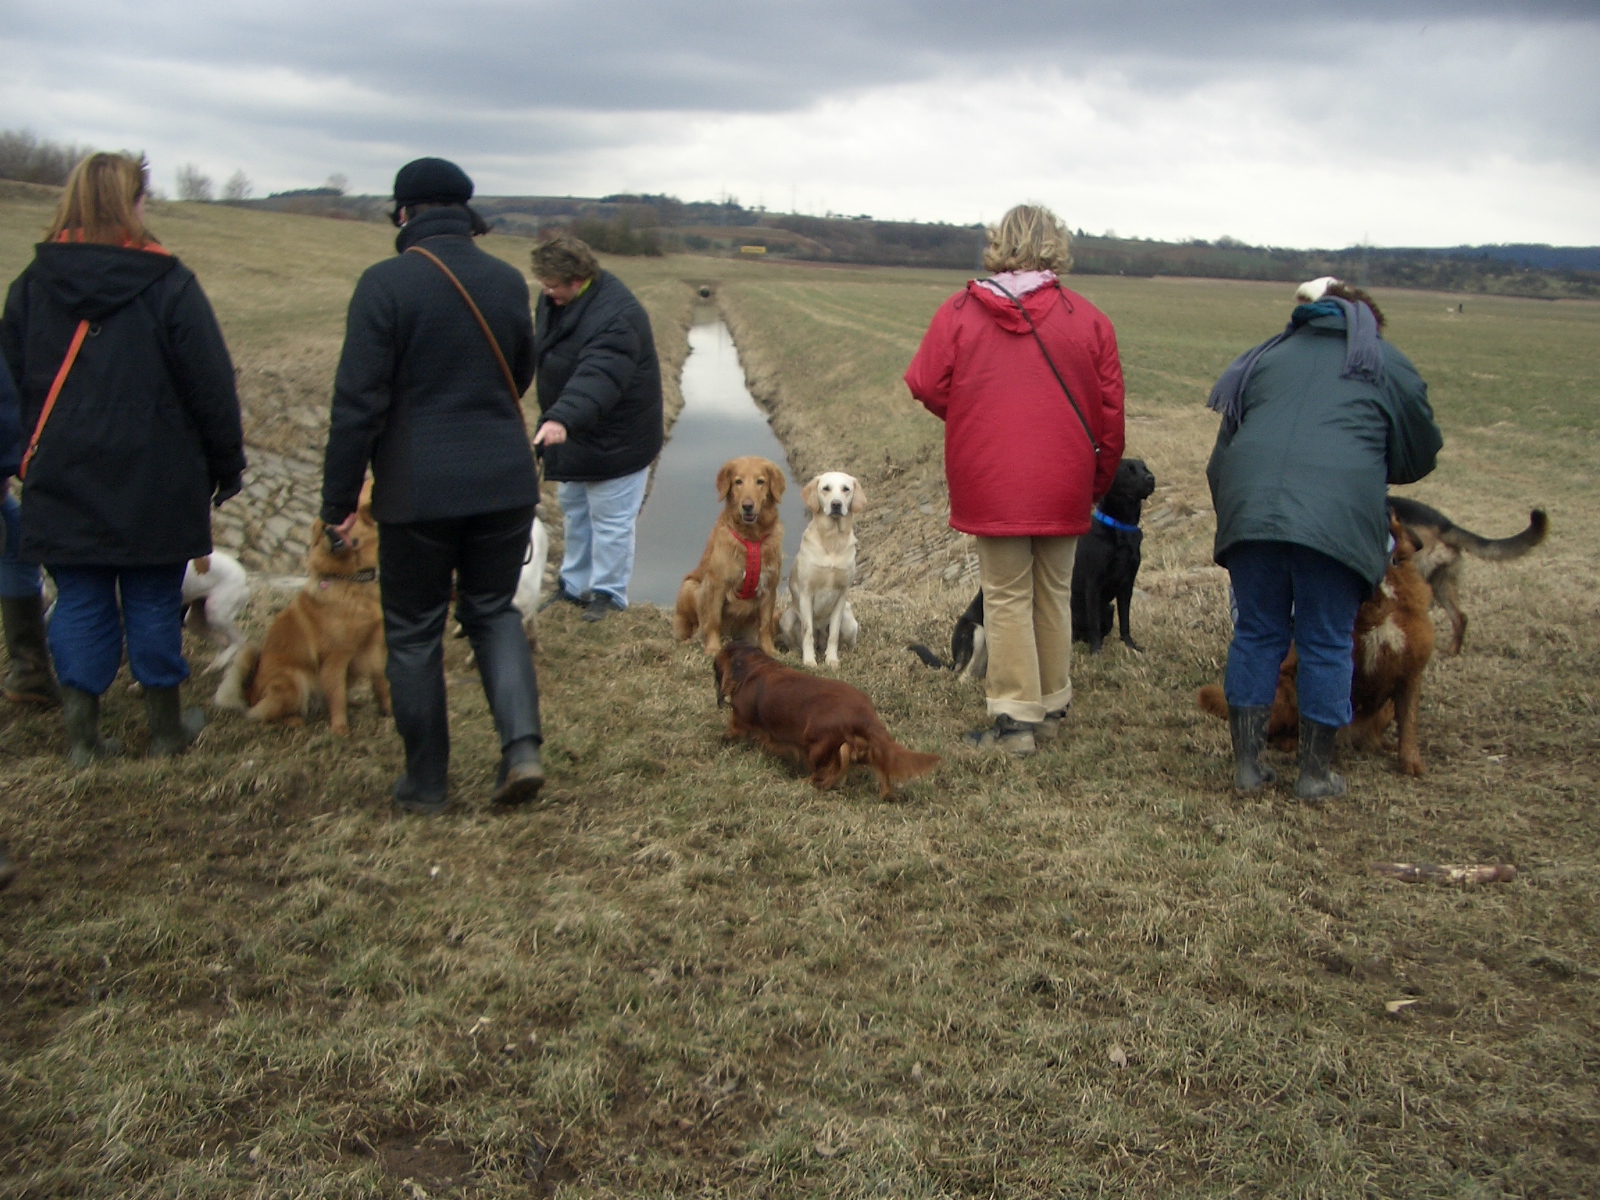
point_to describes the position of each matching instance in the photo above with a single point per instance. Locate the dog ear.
(776, 481)
(808, 494)
(364, 504)
(858, 498)
(725, 481)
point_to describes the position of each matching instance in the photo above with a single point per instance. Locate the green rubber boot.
(172, 729)
(81, 713)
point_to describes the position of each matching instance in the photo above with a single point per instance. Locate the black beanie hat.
(431, 181)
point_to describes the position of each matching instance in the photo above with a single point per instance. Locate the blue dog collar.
(1114, 523)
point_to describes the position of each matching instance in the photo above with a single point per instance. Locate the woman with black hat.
(438, 351)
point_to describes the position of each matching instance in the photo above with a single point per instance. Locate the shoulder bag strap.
(1070, 398)
(50, 400)
(488, 334)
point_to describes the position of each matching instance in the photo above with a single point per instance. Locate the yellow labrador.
(824, 569)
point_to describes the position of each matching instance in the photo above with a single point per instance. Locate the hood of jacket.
(92, 281)
(454, 221)
(1038, 302)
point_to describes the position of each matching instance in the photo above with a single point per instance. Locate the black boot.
(29, 681)
(521, 773)
(172, 729)
(1248, 726)
(8, 869)
(81, 713)
(1317, 781)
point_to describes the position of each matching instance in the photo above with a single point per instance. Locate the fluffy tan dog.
(329, 637)
(734, 588)
(824, 568)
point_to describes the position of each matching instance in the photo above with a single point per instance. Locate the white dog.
(215, 591)
(824, 569)
(531, 581)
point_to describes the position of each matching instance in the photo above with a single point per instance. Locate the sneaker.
(1007, 733)
(561, 594)
(600, 607)
(1049, 729)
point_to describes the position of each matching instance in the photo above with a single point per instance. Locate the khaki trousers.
(1027, 618)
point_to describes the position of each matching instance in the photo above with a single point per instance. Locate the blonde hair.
(99, 202)
(1029, 238)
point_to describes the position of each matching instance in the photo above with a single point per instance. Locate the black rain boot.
(81, 713)
(1317, 781)
(521, 773)
(172, 728)
(1248, 727)
(29, 681)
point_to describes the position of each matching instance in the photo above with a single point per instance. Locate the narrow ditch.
(719, 420)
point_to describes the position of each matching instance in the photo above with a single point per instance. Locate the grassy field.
(686, 973)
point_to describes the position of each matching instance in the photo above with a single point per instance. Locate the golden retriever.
(824, 568)
(733, 590)
(329, 637)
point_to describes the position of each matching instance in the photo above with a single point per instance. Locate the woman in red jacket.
(1026, 378)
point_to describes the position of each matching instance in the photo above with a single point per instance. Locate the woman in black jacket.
(133, 429)
(600, 420)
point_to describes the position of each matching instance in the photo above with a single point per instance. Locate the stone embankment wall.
(266, 526)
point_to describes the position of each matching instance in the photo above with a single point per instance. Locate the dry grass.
(687, 973)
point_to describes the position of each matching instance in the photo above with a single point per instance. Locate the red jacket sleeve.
(931, 370)
(1108, 364)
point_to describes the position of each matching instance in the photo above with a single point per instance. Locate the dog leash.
(1023, 308)
(55, 391)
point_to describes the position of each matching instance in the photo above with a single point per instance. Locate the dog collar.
(1114, 523)
(751, 582)
(366, 575)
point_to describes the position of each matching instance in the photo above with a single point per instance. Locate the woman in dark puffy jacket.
(1316, 422)
(1026, 377)
(133, 431)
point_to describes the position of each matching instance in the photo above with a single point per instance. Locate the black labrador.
(1103, 576)
(1109, 556)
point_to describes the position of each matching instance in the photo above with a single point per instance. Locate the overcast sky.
(1401, 122)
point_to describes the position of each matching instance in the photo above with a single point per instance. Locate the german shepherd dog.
(1441, 543)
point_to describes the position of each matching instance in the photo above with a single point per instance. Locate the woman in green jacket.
(1316, 422)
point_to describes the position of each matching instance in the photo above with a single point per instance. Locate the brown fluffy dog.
(329, 637)
(825, 723)
(734, 590)
(1393, 643)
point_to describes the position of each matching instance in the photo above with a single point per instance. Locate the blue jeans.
(17, 578)
(86, 629)
(598, 522)
(1293, 593)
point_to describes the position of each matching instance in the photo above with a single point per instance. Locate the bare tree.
(25, 156)
(238, 186)
(192, 185)
(339, 182)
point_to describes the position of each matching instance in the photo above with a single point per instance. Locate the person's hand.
(227, 489)
(345, 527)
(551, 433)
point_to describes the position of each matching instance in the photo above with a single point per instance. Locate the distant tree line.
(31, 159)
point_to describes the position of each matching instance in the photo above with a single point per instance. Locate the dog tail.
(1499, 549)
(241, 672)
(894, 763)
(929, 657)
(1213, 701)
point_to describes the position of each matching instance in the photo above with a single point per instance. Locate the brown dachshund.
(734, 588)
(330, 636)
(825, 723)
(1394, 640)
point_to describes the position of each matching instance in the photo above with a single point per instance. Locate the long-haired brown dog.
(824, 723)
(733, 590)
(1394, 640)
(329, 637)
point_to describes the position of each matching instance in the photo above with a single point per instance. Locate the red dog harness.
(752, 566)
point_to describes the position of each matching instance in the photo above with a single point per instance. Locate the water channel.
(719, 421)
